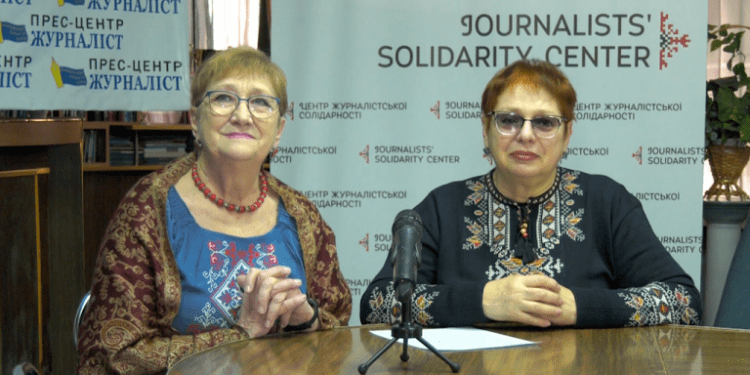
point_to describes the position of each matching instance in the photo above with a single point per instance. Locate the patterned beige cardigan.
(127, 328)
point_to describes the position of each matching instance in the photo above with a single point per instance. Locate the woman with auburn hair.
(534, 243)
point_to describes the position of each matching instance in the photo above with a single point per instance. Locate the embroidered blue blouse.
(209, 263)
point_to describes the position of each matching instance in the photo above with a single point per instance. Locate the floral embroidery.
(651, 305)
(227, 262)
(421, 300)
(474, 228)
(206, 321)
(476, 197)
(507, 265)
(553, 221)
(477, 186)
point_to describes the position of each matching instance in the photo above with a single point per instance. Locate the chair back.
(25, 368)
(734, 307)
(79, 316)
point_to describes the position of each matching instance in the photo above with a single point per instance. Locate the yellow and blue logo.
(67, 76)
(13, 33)
(71, 2)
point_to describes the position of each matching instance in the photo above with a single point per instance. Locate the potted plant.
(728, 116)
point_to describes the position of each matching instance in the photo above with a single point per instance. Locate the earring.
(198, 143)
(487, 155)
(273, 152)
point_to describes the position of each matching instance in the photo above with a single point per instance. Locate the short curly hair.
(241, 61)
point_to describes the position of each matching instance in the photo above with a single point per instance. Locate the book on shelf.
(94, 146)
(112, 116)
(163, 148)
(147, 118)
(11, 114)
(122, 151)
(89, 146)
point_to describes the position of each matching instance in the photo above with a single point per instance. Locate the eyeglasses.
(225, 102)
(509, 123)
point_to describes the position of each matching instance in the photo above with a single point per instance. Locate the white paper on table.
(459, 338)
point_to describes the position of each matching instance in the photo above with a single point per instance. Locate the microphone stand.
(406, 330)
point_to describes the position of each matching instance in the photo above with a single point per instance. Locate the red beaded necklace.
(231, 207)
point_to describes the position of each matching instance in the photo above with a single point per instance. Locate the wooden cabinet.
(42, 232)
(55, 210)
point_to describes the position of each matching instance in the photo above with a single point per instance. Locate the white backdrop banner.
(385, 105)
(94, 55)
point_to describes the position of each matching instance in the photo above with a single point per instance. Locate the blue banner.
(95, 55)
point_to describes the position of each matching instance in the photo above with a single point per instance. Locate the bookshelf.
(110, 146)
(110, 169)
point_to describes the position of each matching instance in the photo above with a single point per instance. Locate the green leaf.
(733, 43)
(728, 116)
(744, 128)
(728, 104)
(715, 44)
(739, 71)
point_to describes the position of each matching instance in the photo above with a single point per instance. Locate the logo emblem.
(637, 155)
(12, 32)
(669, 41)
(365, 242)
(436, 109)
(365, 154)
(67, 76)
(71, 2)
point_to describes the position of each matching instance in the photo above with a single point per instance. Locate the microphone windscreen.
(407, 217)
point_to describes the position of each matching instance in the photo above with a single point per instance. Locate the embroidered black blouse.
(587, 232)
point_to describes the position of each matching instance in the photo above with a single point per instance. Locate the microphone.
(405, 255)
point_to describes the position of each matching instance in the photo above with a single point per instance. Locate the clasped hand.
(535, 300)
(269, 295)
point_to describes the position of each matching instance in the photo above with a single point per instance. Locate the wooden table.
(668, 349)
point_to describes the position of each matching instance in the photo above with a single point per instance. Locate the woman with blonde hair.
(213, 248)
